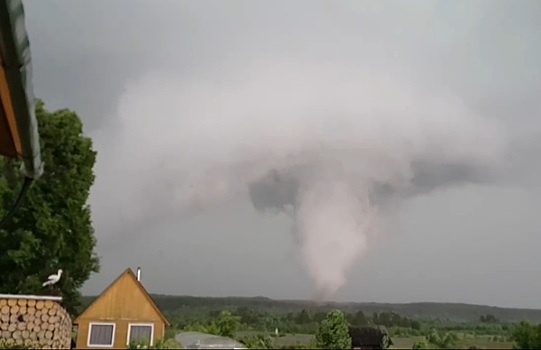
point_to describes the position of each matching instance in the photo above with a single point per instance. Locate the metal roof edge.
(30, 297)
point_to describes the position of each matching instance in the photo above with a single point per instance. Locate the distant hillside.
(442, 311)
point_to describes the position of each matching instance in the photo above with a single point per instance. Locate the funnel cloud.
(329, 150)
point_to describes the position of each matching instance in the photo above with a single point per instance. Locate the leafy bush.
(420, 345)
(333, 333)
(446, 340)
(257, 341)
(527, 336)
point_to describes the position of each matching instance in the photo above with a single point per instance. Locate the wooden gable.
(125, 299)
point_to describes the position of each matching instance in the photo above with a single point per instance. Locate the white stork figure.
(53, 279)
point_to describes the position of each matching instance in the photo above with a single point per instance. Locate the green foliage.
(333, 332)
(358, 319)
(227, 324)
(390, 319)
(527, 336)
(488, 319)
(258, 341)
(420, 345)
(445, 340)
(10, 344)
(52, 229)
(209, 328)
(448, 341)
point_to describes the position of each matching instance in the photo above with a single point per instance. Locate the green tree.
(319, 316)
(333, 332)
(434, 337)
(527, 336)
(212, 328)
(227, 324)
(359, 319)
(52, 230)
(209, 328)
(304, 317)
(416, 325)
(488, 319)
(448, 340)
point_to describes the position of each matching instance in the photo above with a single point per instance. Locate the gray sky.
(178, 91)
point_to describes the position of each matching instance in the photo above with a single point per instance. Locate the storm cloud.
(425, 107)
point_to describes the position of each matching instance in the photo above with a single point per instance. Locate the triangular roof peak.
(131, 275)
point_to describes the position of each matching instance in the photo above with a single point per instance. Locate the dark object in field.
(369, 338)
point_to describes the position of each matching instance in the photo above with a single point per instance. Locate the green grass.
(405, 343)
(294, 339)
(484, 342)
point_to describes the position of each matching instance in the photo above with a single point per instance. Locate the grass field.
(293, 339)
(483, 342)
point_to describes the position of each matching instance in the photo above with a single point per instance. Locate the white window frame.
(151, 325)
(101, 324)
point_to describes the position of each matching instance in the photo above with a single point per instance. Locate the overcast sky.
(143, 74)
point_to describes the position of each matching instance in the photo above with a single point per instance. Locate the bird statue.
(53, 279)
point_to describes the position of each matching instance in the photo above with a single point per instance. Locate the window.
(141, 332)
(101, 335)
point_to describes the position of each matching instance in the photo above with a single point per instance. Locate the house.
(369, 338)
(124, 313)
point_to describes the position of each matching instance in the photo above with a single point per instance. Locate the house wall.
(123, 303)
(121, 332)
(124, 300)
(34, 321)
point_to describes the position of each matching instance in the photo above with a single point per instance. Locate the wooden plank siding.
(123, 303)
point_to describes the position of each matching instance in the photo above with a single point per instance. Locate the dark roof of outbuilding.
(367, 336)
